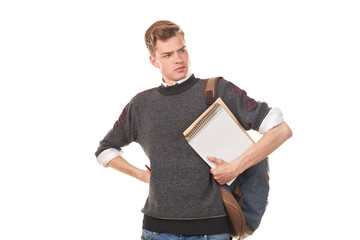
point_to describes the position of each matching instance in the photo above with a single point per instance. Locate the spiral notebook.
(218, 133)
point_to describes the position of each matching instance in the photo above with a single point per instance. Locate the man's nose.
(178, 58)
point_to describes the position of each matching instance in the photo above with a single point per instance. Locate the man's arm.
(269, 142)
(120, 164)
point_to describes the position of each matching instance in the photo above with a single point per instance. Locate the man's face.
(172, 59)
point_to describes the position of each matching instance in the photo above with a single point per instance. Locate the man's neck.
(165, 84)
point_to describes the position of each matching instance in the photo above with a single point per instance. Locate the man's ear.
(153, 61)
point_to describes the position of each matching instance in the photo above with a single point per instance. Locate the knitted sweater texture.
(181, 186)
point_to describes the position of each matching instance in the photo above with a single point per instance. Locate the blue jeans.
(148, 235)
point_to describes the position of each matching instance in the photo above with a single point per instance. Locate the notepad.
(219, 134)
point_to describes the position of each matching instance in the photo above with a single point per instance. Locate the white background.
(67, 69)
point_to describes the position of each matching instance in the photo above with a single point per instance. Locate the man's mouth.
(180, 69)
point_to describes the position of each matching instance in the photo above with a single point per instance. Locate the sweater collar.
(178, 88)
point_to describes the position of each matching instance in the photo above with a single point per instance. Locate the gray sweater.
(181, 186)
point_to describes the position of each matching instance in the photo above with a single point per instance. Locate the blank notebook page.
(221, 137)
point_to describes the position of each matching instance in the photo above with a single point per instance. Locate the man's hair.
(161, 30)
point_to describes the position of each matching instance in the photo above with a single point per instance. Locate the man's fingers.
(215, 160)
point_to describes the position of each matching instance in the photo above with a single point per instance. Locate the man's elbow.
(286, 131)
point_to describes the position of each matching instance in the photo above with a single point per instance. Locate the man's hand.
(224, 172)
(145, 176)
(120, 164)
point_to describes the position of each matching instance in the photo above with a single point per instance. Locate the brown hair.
(160, 30)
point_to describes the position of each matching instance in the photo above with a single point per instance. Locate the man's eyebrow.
(165, 53)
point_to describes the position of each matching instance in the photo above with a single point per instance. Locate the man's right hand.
(120, 164)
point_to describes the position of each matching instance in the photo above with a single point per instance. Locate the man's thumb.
(214, 160)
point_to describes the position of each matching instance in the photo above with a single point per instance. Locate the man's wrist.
(239, 165)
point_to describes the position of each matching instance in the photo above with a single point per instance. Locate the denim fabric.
(254, 189)
(148, 235)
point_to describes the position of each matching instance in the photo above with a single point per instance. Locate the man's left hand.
(224, 172)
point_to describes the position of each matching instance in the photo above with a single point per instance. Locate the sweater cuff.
(272, 119)
(107, 155)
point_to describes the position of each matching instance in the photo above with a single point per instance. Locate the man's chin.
(182, 74)
(178, 76)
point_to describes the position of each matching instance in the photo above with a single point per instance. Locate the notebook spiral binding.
(203, 122)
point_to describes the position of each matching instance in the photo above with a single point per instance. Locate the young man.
(184, 197)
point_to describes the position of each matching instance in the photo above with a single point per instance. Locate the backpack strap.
(210, 90)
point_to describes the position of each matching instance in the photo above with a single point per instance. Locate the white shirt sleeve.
(107, 155)
(272, 119)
